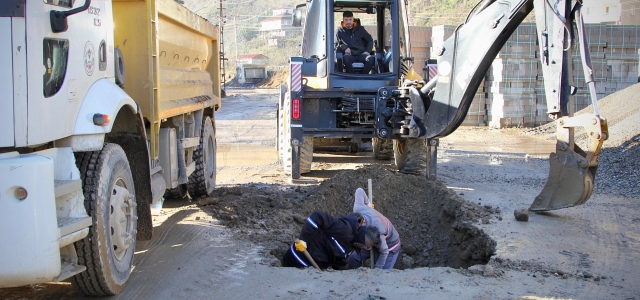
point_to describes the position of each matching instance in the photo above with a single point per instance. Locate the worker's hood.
(358, 231)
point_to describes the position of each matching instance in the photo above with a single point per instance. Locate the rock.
(299, 219)
(596, 278)
(286, 205)
(489, 271)
(587, 274)
(410, 250)
(521, 214)
(429, 246)
(486, 220)
(546, 275)
(476, 269)
(465, 255)
(565, 276)
(401, 223)
(425, 263)
(561, 272)
(408, 261)
(208, 201)
(256, 226)
(197, 218)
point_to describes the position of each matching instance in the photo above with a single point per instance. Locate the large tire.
(284, 143)
(382, 148)
(203, 180)
(411, 156)
(109, 195)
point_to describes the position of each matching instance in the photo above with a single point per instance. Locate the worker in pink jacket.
(387, 249)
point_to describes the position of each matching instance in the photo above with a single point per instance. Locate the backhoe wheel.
(382, 148)
(284, 143)
(109, 195)
(411, 156)
(203, 180)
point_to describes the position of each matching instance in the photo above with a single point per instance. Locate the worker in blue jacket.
(330, 241)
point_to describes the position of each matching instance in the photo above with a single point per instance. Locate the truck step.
(71, 225)
(67, 270)
(64, 187)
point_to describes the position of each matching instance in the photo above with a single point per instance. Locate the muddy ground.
(460, 238)
(435, 224)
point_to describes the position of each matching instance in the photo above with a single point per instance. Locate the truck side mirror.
(58, 19)
(297, 18)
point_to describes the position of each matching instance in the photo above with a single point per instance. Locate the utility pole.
(221, 37)
(235, 33)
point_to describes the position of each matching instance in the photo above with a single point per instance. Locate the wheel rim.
(209, 158)
(121, 219)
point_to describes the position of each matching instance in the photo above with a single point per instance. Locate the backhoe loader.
(396, 108)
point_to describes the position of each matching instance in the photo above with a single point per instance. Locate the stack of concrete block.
(420, 46)
(511, 81)
(614, 61)
(512, 93)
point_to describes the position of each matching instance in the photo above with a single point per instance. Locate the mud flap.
(570, 181)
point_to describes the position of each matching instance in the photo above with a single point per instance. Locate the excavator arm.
(436, 109)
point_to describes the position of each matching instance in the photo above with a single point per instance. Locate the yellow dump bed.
(171, 58)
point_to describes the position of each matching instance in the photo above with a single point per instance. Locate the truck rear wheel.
(284, 144)
(109, 195)
(411, 156)
(382, 148)
(203, 180)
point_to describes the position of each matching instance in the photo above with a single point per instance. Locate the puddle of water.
(235, 155)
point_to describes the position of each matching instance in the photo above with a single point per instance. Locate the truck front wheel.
(203, 180)
(109, 195)
(411, 156)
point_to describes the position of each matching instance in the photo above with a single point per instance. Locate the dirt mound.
(275, 79)
(436, 226)
(619, 168)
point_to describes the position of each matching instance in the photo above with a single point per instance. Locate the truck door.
(62, 66)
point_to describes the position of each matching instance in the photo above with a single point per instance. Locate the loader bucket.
(570, 181)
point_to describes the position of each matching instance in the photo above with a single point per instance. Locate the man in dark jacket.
(355, 43)
(330, 240)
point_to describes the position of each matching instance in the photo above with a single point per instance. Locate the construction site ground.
(459, 236)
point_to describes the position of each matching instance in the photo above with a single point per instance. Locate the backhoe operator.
(355, 43)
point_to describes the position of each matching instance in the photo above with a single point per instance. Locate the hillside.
(242, 28)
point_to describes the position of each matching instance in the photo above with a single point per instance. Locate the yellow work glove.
(371, 205)
(301, 245)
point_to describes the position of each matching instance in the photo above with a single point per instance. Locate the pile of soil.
(619, 167)
(436, 226)
(275, 79)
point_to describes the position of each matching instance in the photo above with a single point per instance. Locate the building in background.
(278, 25)
(612, 12)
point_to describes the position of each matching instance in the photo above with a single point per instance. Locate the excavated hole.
(436, 226)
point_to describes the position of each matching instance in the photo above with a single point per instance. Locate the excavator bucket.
(572, 171)
(570, 181)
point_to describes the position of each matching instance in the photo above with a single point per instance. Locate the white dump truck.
(105, 106)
